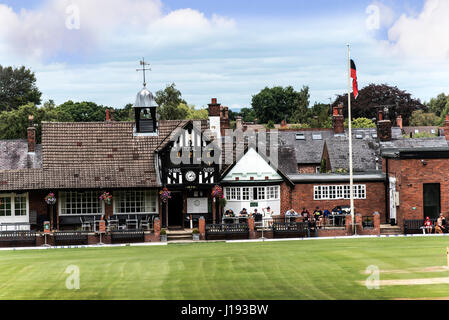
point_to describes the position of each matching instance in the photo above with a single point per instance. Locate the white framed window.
(14, 207)
(135, 202)
(338, 192)
(246, 193)
(252, 193)
(273, 193)
(80, 203)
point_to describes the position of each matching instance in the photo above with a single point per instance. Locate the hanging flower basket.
(106, 197)
(217, 192)
(50, 198)
(165, 195)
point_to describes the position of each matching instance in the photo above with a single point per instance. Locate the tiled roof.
(93, 155)
(365, 152)
(14, 155)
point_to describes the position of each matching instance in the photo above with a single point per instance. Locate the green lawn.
(324, 269)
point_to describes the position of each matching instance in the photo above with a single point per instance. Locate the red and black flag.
(355, 88)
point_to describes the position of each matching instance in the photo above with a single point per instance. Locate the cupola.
(145, 107)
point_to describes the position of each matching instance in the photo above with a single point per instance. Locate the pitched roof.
(14, 155)
(365, 152)
(436, 142)
(93, 155)
(309, 150)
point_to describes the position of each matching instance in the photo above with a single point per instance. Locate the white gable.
(252, 165)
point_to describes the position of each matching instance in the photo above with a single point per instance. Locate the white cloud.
(42, 33)
(423, 36)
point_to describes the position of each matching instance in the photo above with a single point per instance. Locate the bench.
(127, 236)
(70, 237)
(17, 238)
(227, 231)
(414, 225)
(290, 229)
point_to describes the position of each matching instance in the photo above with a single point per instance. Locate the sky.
(85, 50)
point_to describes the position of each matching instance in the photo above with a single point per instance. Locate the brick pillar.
(358, 222)
(214, 210)
(157, 229)
(348, 225)
(108, 211)
(202, 228)
(376, 216)
(252, 233)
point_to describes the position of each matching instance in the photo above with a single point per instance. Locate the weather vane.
(144, 64)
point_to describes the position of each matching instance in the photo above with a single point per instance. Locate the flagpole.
(351, 178)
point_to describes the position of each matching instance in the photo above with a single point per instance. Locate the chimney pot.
(381, 115)
(214, 101)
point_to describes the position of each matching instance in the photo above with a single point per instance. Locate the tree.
(82, 111)
(360, 123)
(192, 113)
(319, 116)
(14, 123)
(280, 103)
(438, 104)
(124, 114)
(373, 97)
(17, 88)
(248, 114)
(421, 118)
(169, 100)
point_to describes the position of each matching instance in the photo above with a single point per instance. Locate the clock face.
(190, 176)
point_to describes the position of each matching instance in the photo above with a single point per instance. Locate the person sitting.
(305, 214)
(244, 212)
(428, 225)
(229, 213)
(317, 213)
(291, 212)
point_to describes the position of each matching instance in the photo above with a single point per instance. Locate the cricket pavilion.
(150, 178)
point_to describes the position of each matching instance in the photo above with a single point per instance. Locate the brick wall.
(310, 168)
(410, 176)
(302, 196)
(286, 197)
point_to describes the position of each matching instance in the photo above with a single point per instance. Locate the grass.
(324, 269)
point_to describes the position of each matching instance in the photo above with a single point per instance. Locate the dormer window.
(317, 136)
(300, 136)
(359, 136)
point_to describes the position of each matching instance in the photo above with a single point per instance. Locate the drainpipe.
(387, 192)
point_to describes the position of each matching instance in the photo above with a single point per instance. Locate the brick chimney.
(214, 118)
(446, 127)
(239, 123)
(383, 128)
(31, 139)
(338, 121)
(399, 121)
(224, 120)
(108, 117)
